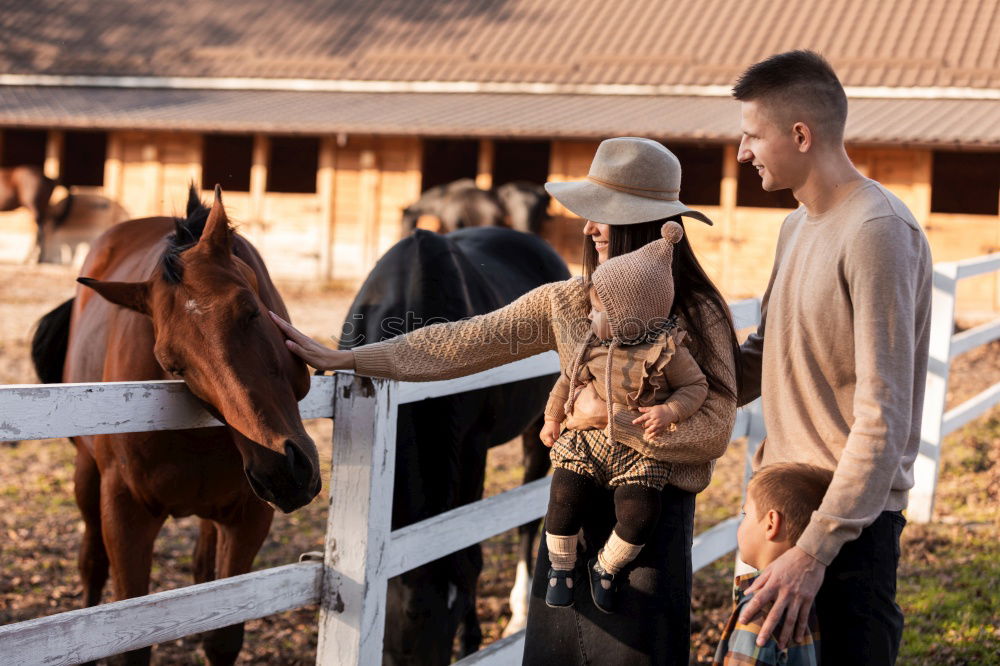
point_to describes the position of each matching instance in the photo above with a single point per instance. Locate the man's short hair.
(797, 86)
(794, 490)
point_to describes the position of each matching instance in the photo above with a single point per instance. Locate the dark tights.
(637, 508)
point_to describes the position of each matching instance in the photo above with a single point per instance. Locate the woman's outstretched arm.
(450, 349)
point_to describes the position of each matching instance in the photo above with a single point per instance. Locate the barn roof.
(708, 119)
(917, 71)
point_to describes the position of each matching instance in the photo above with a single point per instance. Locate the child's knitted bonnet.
(637, 288)
(637, 291)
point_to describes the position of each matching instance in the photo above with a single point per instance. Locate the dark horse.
(27, 186)
(441, 443)
(169, 298)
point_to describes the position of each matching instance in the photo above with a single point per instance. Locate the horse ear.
(131, 295)
(217, 234)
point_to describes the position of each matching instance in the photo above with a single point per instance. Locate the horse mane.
(187, 233)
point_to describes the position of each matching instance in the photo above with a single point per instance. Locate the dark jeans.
(652, 623)
(859, 621)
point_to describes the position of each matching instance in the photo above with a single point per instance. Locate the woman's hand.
(550, 432)
(312, 352)
(657, 420)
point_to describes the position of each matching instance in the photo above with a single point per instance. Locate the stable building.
(323, 120)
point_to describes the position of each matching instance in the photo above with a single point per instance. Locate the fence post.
(925, 468)
(352, 602)
(755, 435)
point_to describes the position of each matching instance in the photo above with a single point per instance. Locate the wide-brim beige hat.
(631, 180)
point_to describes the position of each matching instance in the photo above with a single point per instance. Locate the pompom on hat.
(631, 180)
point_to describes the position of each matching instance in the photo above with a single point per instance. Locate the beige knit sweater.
(841, 357)
(554, 316)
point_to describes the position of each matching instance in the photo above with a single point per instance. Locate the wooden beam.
(33, 411)
(352, 604)
(326, 178)
(449, 532)
(714, 542)
(484, 168)
(258, 183)
(727, 205)
(113, 167)
(370, 203)
(109, 629)
(53, 154)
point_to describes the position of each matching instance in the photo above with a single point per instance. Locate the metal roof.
(898, 43)
(678, 117)
(917, 71)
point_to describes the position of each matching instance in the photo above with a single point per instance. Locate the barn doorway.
(521, 160)
(23, 147)
(447, 160)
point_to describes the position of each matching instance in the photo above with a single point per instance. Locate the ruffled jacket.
(661, 372)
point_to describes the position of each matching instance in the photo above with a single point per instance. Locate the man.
(840, 359)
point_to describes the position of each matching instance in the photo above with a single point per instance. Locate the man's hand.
(550, 432)
(791, 582)
(656, 420)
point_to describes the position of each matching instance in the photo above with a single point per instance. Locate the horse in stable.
(520, 205)
(27, 186)
(168, 298)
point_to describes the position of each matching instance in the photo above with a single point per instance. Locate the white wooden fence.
(945, 345)
(361, 551)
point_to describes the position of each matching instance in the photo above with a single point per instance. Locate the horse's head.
(212, 330)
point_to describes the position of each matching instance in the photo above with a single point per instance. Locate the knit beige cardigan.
(554, 317)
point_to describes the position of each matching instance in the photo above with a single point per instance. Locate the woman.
(631, 189)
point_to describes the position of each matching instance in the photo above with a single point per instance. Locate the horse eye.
(178, 372)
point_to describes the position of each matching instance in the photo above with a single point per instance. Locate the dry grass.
(949, 577)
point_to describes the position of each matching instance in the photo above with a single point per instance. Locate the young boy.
(780, 501)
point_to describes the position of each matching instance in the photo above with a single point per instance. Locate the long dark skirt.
(652, 624)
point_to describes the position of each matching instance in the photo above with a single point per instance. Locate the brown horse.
(183, 299)
(27, 186)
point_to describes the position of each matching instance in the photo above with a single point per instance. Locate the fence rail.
(945, 346)
(361, 551)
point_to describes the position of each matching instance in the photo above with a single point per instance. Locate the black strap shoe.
(602, 586)
(559, 593)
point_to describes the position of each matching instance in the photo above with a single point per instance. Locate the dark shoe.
(602, 586)
(559, 593)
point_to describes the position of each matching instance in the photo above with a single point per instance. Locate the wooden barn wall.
(364, 182)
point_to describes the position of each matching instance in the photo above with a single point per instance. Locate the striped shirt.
(739, 641)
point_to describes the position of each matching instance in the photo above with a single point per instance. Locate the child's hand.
(657, 420)
(550, 432)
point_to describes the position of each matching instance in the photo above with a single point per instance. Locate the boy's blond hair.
(794, 490)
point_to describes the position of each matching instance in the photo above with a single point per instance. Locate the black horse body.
(441, 443)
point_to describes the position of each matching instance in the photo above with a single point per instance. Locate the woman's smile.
(600, 235)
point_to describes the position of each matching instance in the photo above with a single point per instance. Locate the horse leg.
(536, 466)
(237, 545)
(204, 553)
(93, 558)
(129, 532)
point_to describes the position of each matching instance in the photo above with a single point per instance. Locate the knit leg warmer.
(617, 553)
(562, 551)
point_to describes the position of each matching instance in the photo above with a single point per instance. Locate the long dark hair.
(696, 299)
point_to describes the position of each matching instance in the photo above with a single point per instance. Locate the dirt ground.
(40, 527)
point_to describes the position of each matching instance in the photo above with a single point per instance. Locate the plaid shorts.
(589, 453)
